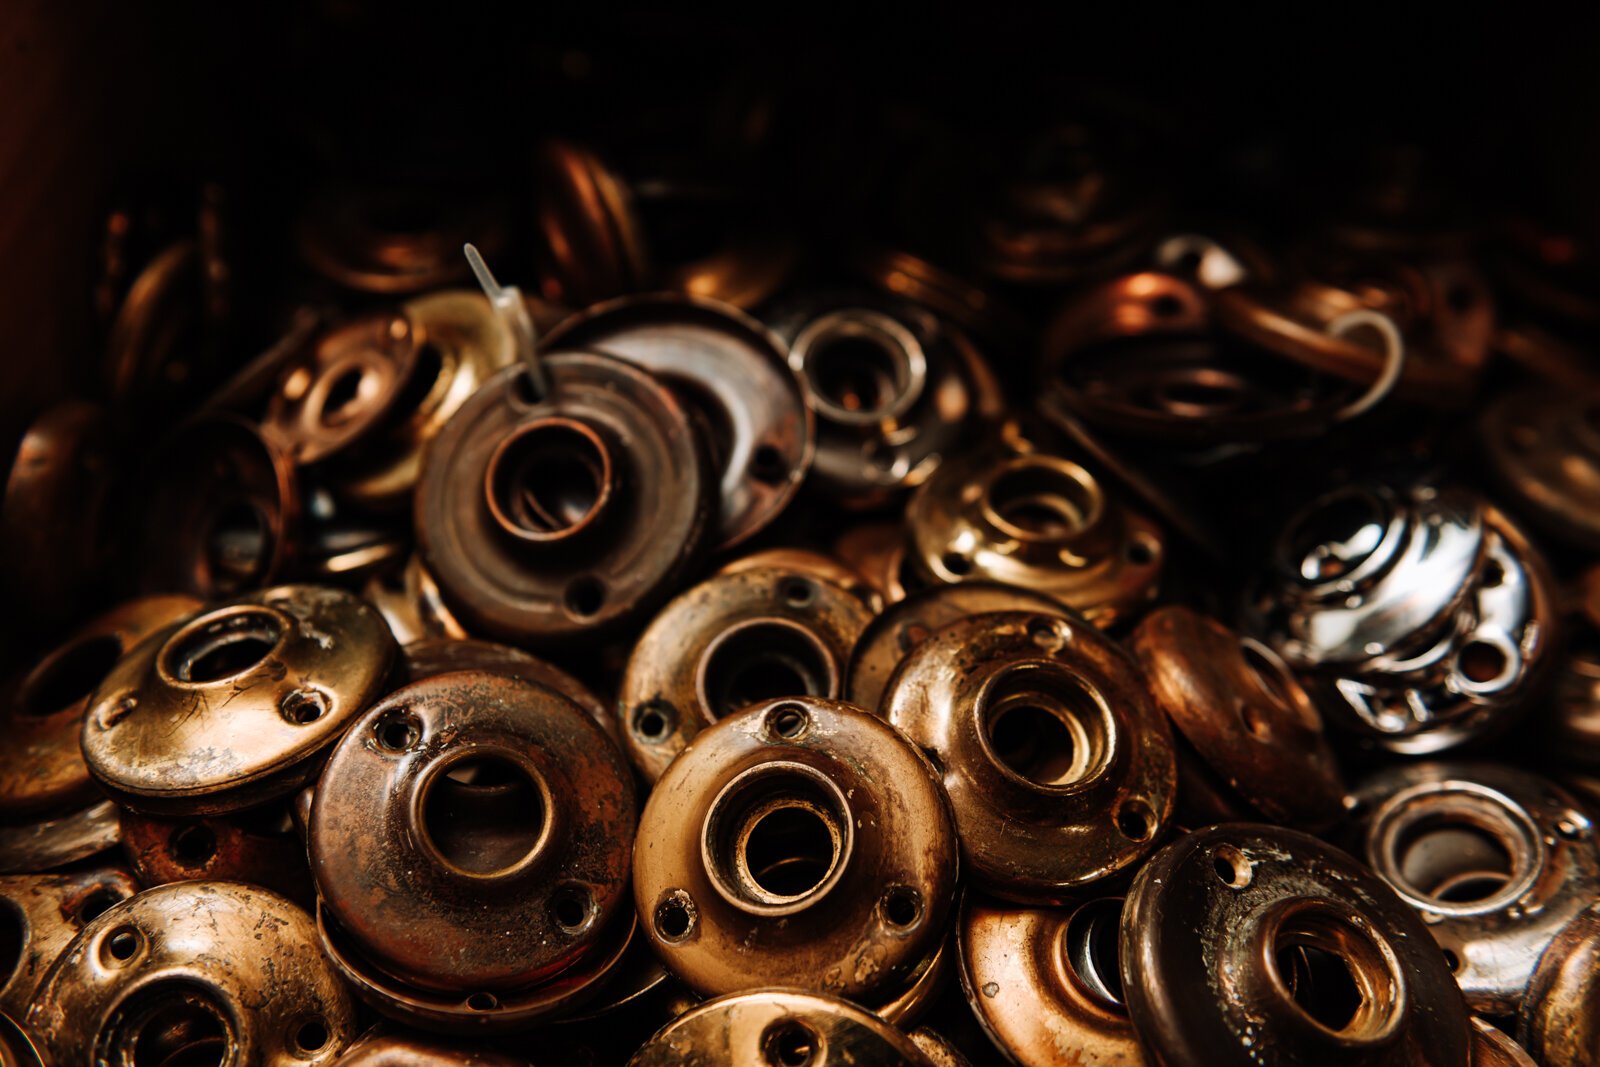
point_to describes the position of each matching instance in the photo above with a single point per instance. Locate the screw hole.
(1452, 961)
(798, 593)
(1135, 820)
(572, 907)
(1140, 553)
(96, 904)
(652, 721)
(192, 846)
(523, 391)
(1232, 867)
(788, 720)
(311, 1036)
(483, 1002)
(1166, 306)
(585, 596)
(767, 465)
(790, 1043)
(675, 917)
(122, 944)
(303, 706)
(397, 733)
(957, 564)
(902, 907)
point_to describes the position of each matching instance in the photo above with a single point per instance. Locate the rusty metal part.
(51, 843)
(418, 1050)
(1443, 308)
(940, 1052)
(801, 842)
(1559, 1021)
(877, 551)
(593, 243)
(1418, 619)
(237, 705)
(410, 602)
(41, 710)
(220, 511)
(1046, 983)
(261, 846)
(1245, 940)
(39, 915)
(733, 372)
(460, 343)
(1543, 448)
(544, 520)
(195, 969)
(1039, 521)
(779, 1028)
(1495, 860)
(895, 391)
(18, 1048)
(907, 623)
(1058, 766)
(1491, 1048)
(737, 638)
(434, 655)
(458, 790)
(813, 564)
(392, 241)
(1241, 709)
(53, 519)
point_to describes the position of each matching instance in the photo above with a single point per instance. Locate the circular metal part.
(261, 846)
(460, 342)
(1491, 1048)
(907, 623)
(1559, 1021)
(51, 843)
(733, 373)
(410, 602)
(1417, 619)
(1543, 448)
(393, 241)
(191, 971)
(1059, 768)
(800, 842)
(419, 1050)
(41, 710)
(940, 1052)
(237, 705)
(877, 551)
(433, 656)
(895, 391)
(737, 638)
(220, 511)
(18, 1047)
(1242, 711)
(812, 564)
(1046, 983)
(593, 243)
(779, 1028)
(40, 914)
(543, 520)
(1241, 940)
(908, 277)
(349, 384)
(469, 838)
(1036, 521)
(153, 338)
(1494, 859)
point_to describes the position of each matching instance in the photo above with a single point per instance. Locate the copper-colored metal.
(40, 914)
(469, 837)
(237, 705)
(221, 511)
(1242, 710)
(261, 846)
(940, 1052)
(575, 514)
(152, 338)
(905, 276)
(733, 372)
(910, 1004)
(1491, 1048)
(197, 969)
(51, 843)
(593, 245)
(1543, 448)
(1046, 983)
(412, 605)
(1494, 859)
(895, 391)
(392, 241)
(745, 271)
(1220, 932)
(1058, 766)
(892, 636)
(739, 637)
(877, 551)
(418, 1050)
(779, 1027)
(1559, 1020)
(1039, 521)
(800, 842)
(812, 564)
(434, 655)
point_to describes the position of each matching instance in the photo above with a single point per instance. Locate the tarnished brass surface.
(238, 704)
(437, 655)
(1543, 448)
(260, 846)
(1241, 709)
(40, 914)
(1058, 766)
(194, 969)
(593, 244)
(1491, 1048)
(1042, 522)
(52, 842)
(939, 1052)
(1559, 1021)
(1243, 908)
(779, 1027)
(877, 550)
(799, 841)
(822, 567)
(746, 635)
(411, 604)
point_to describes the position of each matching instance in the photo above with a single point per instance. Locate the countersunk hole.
(192, 846)
(69, 675)
(653, 721)
(789, 851)
(1092, 948)
(790, 1043)
(902, 907)
(176, 1025)
(1042, 501)
(311, 1036)
(1481, 662)
(484, 815)
(91, 907)
(1334, 973)
(585, 596)
(552, 477)
(1453, 859)
(797, 592)
(1044, 726)
(397, 732)
(788, 720)
(1452, 961)
(121, 945)
(675, 917)
(956, 564)
(764, 659)
(1233, 868)
(572, 906)
(1135, 820)
(224, 647)
(12, 937)
(483, 1002)
(303, 706)
(767, 465)
(236, 544)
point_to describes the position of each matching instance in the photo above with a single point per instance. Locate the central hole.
(549, 479)
(1046, 727)
(484, 814)
(861, 373)
(340, 402)
(225, 646)
(1335, 536)
(1042, 501)
(69, 675)
(789, 851)
(1092, 948)
(1334, 973)
(765, 661)
(236, 545)
(1454, 860)
(1321, 984)
(183, 1028)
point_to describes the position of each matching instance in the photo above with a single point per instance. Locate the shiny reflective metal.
(1418, 619)
(1559, 1020)
(40, 914)
(777, 1028)
(410, 602)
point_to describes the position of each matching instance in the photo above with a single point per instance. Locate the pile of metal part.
(1117, 638)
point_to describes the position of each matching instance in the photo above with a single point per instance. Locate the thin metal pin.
(513, 311)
